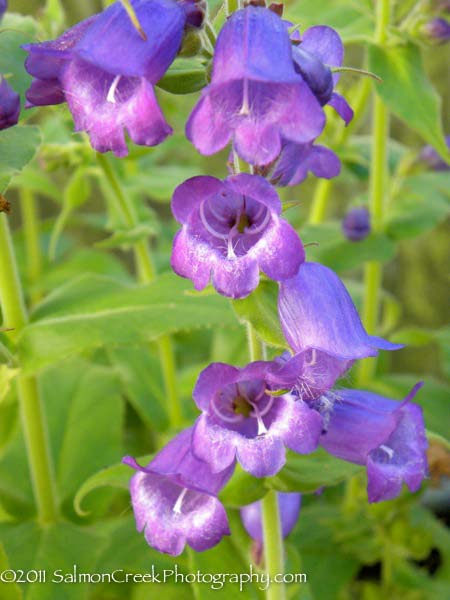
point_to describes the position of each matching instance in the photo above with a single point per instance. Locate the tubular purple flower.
(175, 499)
(231, 230)
(317, 312)
(289, 504)
(242, 421)
(105, 71)
(356, 224)
(255, 97)
(295, 160)
(9, 105)
(385, 435)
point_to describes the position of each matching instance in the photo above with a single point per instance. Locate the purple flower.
(105, 71)
(431, 158)
(436, 31)
(231, 229)
(356, 224)
(295, 160)
(255, 97)
(289, 506)
(385, 435)
(3, 7)
(322, 48)
(242, 421)
(9, 105)
(175, 499)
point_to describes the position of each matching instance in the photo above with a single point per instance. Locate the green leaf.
(55, 548)
(116, 476)
(94, 312)
(124, 238)
(185, 76)
(7, 374)
(18, 145)
(307, 473)
(16, 30)
(408, 93)
(422, 202)
(260, 310)
(242, 489)
(8, 407)
(9, 591)
(159, 181)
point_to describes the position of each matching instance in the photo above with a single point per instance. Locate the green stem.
(324, 186)
(146, 273)
(30, 222)
(273, 545)
(373, 272)
(255, 346)
(231, 6)
(34, 429)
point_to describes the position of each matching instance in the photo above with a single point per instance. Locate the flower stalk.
(273, 545)
(15, 316)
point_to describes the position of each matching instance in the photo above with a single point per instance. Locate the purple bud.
(316, 74)
(436, 31)
(356, 224)
(9, 105)
(431, 158)
(289, 506)
(195, 11)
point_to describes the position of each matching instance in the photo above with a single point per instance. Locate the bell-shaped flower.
(9, 105)
(256, 98)
(322, 48)
(243, 420)
(231, 230)
(105, 70)
(175, 501)
(385, 435)
(317, 313)
(289, 507)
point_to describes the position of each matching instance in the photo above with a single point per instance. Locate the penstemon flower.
(242, 420)
(110, 90)
(9, 105)
(175, 499)
(231, 230)
(256, 98)
(356, 223)
(385, 435)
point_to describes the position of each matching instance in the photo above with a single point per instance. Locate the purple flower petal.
(43, 92)
(296, 160)
(9, 105)
(104, 106)
(325, 43)
(283, 252)
(289, 506)
(316, 311)
(212, 379)
(341, 106)
(103, 44)
(191, 259)
(236, 278)
(189, 194)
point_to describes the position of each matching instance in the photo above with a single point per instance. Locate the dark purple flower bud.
(317, 312)
(175, 499)
(436, 31)
(385, 435)
(105, 70)
(9, 105)
(295, 160)
(323, 44)
(242, 421)
(195, 11)
(3, 7)
(255, 98)
(356, 224)
(231, 230)
(289, 506)
(431, 158)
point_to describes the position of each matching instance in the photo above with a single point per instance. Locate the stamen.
(388, 451)
(179, 502)
(262, 429)
(245, 108)
(112, 90)
(233, 418)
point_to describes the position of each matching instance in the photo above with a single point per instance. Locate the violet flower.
(175, 499)
(231, 230)
(289, 506)
(255, 97)
(105, 71)
(431, 159)
(242, 421)
(356, 223)
(385, 435)
(9, 105)
(436, 31)
(3, 8)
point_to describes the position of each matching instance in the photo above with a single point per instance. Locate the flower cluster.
(266, 97)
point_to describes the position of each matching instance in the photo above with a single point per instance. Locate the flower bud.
(431, 159)
(9, 105)
(356, 224)
(436, 31)
(317, 75)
